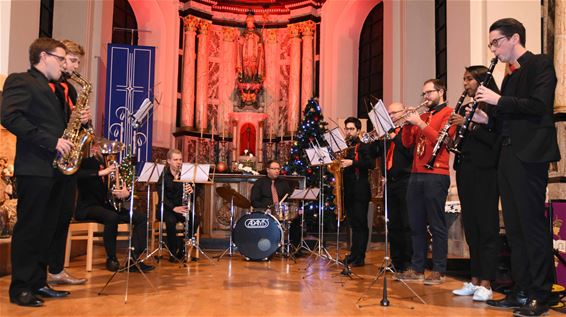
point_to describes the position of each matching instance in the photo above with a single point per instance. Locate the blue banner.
(130, 77)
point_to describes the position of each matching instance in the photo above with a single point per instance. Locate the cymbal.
(228, 193)
(109, 146)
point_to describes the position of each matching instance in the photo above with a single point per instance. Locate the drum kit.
(257, 235)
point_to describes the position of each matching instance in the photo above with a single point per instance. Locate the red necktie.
(389, 158)
(356, 157)
(274, 193)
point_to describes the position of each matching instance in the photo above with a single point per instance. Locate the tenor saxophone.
(80, 136)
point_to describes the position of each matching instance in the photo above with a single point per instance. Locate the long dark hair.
(479, 73)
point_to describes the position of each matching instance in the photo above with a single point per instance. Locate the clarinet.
(463, 131)
(443, 134)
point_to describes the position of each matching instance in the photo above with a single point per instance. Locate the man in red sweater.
(428, 188)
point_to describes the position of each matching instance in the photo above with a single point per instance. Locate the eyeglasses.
(274, 168)
(428, 92)
(495, 42)
(350, 129)
(60, 59)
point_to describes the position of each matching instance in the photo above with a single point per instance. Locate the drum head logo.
(256, 223)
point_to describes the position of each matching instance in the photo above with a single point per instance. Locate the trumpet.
(372, 136)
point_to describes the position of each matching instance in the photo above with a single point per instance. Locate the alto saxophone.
(69, 163)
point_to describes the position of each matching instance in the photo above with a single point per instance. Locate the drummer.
(270, 191)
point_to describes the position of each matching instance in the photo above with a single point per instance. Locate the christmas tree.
(310, 132)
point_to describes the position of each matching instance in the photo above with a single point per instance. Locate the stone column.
(271, 83)
(202, 76)
(307, 30)
(294, 78)
(188, 89)
(227, 77)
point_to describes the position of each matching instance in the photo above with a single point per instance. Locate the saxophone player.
(56, 273)
(37, 114)
(357, 192)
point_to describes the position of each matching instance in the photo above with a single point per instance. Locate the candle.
(270, 132)
(213, 127)
(201, 132)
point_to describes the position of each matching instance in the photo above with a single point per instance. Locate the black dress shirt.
(261, 192)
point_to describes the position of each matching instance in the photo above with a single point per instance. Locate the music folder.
(380, 119)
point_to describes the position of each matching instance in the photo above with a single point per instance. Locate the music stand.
(338, 144)
(193, 173)
(150, 174)
(302, 195)
(136, 120)
(320, 156)
(379, 117)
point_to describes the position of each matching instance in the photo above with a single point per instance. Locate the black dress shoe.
(510, 301)
(47, 291)
(533, 308)
(112, 264)
(27, 299)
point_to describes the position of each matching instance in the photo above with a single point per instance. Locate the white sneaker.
(482, 294)
(467, 290)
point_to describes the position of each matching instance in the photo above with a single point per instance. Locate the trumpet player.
(428, 188)
(476, 177)
(93, 205)
(357, 193)
(174, 209)
(399, 161)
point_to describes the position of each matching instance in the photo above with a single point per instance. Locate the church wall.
(18, 31)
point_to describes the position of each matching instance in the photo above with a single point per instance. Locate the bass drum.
(257, 235)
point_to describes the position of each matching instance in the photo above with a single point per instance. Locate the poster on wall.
(559, 239)
(130, 79)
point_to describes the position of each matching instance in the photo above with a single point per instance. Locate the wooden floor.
(235, 287)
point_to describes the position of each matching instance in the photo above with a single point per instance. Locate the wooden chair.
(89, 231)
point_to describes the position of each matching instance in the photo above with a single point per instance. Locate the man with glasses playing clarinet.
(523, 115)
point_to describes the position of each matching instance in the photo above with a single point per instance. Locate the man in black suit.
(56, 273)
(524, 115)
(37, 114)
(263, 197)
(357, 191)
(93, 204)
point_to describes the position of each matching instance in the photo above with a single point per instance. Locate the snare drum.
(257, 235)
(285, 211)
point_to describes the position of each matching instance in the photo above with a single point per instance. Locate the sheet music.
(336, 140)
(305, 194)
(150, 172)
(380, 119)
(195, 173)
(316, 154)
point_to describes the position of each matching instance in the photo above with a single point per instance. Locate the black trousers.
(399, 227)
(426, 197)
(175, 243)
(39, 215)
(523, 190)
(357, 213)
(479, 199)
(57, 250)
(111, 219)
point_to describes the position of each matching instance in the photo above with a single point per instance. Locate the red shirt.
(412, 134)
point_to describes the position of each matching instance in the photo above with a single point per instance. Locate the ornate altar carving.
(250, 64)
